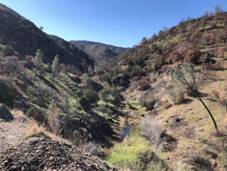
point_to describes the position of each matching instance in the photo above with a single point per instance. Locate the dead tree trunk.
(210, 113)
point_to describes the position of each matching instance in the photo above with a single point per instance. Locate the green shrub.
(7, 94)
(36, 114)
(91, 84)
(85, 104)
(90, 95)
(8, 50)
(111, 96)
(126, 154)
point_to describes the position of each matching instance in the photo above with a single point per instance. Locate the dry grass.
(196, 117)
(151, 130)
(33, 129)
(53, 119)
(18, 114)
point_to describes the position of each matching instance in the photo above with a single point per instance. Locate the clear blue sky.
(117, 22)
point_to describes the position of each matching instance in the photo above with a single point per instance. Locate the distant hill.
(98, 51)
(26, 38)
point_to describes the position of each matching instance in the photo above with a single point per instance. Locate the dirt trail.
(12, 133)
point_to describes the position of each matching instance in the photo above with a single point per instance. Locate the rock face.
(26, 38)
(42, 153)
(5, 114)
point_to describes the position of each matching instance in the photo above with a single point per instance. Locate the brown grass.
(179, 98)
(33, 129)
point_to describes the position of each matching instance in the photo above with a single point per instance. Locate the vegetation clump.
(147, 100)
(8, 51)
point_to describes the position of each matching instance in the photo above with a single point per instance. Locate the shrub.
(157, 136)
(53, 119)
(90, 95)
(107, 78)
(143, 85)
(8, 50)
(121, 80)
(5, 114)
(32, 129)
(85, 104)
(147, 100)
(11, 66)
(74, 78)
(157, 63)
(7, 93)
(36, 114)
(127, 154)
(149, 161)
(192, 55)
(200, 164)
(151, 130)
(93, 85)
(179, 98)
(175, 96)
(111, 96)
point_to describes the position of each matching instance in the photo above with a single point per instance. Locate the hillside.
(160, 105)
(26, 38)
(171, 118)
(195, 40)
(98, 51)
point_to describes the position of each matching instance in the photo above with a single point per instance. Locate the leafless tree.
(183, 76)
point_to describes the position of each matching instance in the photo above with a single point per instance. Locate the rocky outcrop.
(42, 154)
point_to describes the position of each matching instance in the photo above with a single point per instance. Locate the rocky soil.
(12, 129)
(43, 154)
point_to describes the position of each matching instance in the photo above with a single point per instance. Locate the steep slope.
(194, 41)
(26, 38)
(98, 51)
(177, 126)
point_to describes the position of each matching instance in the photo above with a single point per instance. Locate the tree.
(183, 77)
(38, 62)
(218, 9)
(41, 28)
(55, 67)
